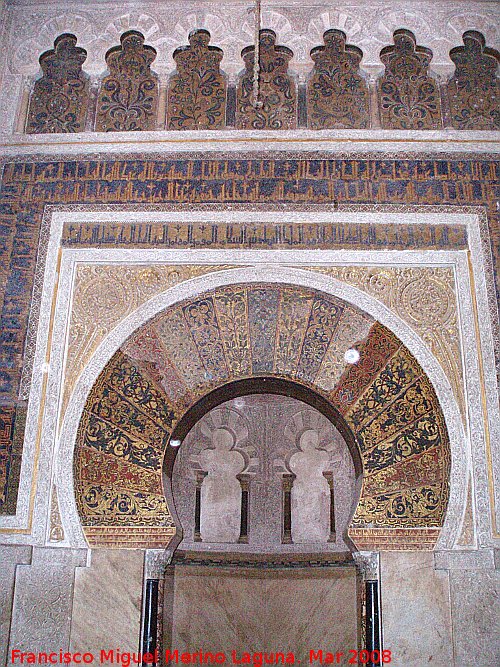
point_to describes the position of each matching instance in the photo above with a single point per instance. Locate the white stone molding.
(55, 450)
(326, 143)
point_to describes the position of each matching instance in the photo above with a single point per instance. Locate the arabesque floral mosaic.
(240, 332)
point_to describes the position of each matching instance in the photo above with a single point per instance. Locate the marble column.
(368, 563)
(245, 507)
(156, 563)
(10, 556)
(287, 483)
(331, 483)
(149, 645)
(43, 600)
(200, 476)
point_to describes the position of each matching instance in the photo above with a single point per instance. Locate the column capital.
(156, 562)
(368, 562)
(287, 481)
(244, 479)
(200, 476)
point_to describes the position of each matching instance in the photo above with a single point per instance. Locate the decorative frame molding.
(55, 460)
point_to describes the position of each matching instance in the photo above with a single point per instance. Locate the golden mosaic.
(114, 291)
(425, 298)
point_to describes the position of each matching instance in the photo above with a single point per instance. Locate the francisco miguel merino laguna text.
(115, 656)
(257, 659)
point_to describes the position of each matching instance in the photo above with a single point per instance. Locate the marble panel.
(310, 491)
(416, 613)
(263, 610)
(107, 602)
(10, 556)
(43, 599)
(269, 431)
(475, 602)
(221, 490)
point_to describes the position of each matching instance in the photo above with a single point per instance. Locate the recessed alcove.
(257, 445)
(242, 583)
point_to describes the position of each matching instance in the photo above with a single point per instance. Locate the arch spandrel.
(239, 332)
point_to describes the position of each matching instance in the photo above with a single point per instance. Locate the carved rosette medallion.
(474, 88)
(197, 90)
(60, 98)
(408, 97)
(277, 104)
(337, 94)
(128, 98)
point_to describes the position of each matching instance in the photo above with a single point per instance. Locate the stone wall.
(101, 231)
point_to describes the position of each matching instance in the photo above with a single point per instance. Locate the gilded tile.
(203, 325)
(352, 329)
(323, 319)
(262, 315)
(400, 372)
(232, 314)
(276, 106)
(182, 351)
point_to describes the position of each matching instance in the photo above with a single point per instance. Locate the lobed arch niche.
(266, 419)
(262, 332)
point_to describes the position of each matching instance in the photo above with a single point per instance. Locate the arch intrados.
(261, 385)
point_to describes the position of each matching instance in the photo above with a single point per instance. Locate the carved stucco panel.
(103, 296)
(422, 297)
(425, 299)
(166, 25)
(299, 25)
(56, 533)
(41, 613)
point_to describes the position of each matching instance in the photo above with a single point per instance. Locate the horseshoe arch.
(250, 331)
